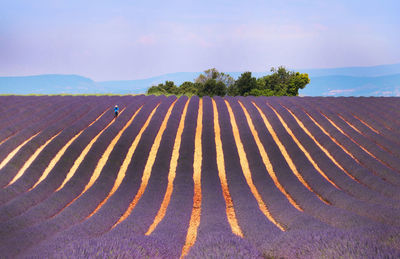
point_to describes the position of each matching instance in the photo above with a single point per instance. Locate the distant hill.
(141, 85)
(47, 84)
(349, 81)
(338, 85)
(373, 71)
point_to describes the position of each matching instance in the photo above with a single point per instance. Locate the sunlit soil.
(196, 211)
(354, 128)
(332, 138)
(327, 153)
(366, 124)
(83, 154)
(15, 151)
(102, 161)
(230, 211)
(302, 148)
(171, 174)
(244, 163)
(147, 169)
(127, 161)
(30, 160)
(7, 138)
(61, 152)
(266, 160)
(355, 142)
(318, 232)
(349, 123)
(286, 154)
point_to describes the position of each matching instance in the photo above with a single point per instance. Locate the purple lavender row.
(18, 104)
(15, 112)
(359, 242)
(393, 103)
(383, 104)
(374, 114)
(214, 235)
(143, 214)
(374, 120)
(363, 111)
(55, 177)
(293, 247)
(39, 125)
(58, 200)
(380, 119)
(121, 245)
(319, 184)
(304, 197)
(277, 204)
(12, 167)
(8, 101)
(388, 117)
(378, 139)
(172, 230)
(385, 157)
(355, 169)
(31, 111)
(87, 203)
(334, 173)
(329, 214)
(383, 111)
(365, 159)
(28, 121)
(16, 163)
(112, 210)
(146, 209)
(245, 204)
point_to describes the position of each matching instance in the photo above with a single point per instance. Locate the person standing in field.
(116, 110)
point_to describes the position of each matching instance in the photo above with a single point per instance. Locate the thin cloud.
(338, 92)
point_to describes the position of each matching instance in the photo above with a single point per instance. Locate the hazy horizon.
(123, 40)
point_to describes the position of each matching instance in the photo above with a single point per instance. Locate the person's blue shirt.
(116, 109)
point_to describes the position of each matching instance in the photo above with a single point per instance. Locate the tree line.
(280, 82)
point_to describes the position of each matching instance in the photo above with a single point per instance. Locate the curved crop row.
(324, 161)
(382, 111)
(318, 184)
(46, 172)
(213, 177)
(27, 150)
(81, 208)
(350, 164)
(27, 114)
(19, 138)
(64, 196)
(368, 146)
(364, 114)
(353, 148)
(218, 228)
(366, 130)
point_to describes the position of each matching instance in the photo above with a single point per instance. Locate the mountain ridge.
(383, 80)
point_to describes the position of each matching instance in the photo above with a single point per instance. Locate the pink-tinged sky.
(107, 40)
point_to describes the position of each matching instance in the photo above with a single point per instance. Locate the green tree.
(212, 87)
(283, 82)
(280, 82)
(213, 73)
(261, 92)
(189, 88)
(243, 85)
(163, 89)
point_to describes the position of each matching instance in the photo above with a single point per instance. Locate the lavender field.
(234, 177)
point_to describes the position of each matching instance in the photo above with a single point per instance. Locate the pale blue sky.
(107, 40)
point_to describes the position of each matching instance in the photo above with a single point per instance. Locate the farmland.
(234, 177)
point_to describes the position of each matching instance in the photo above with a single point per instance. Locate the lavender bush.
(352, 214)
